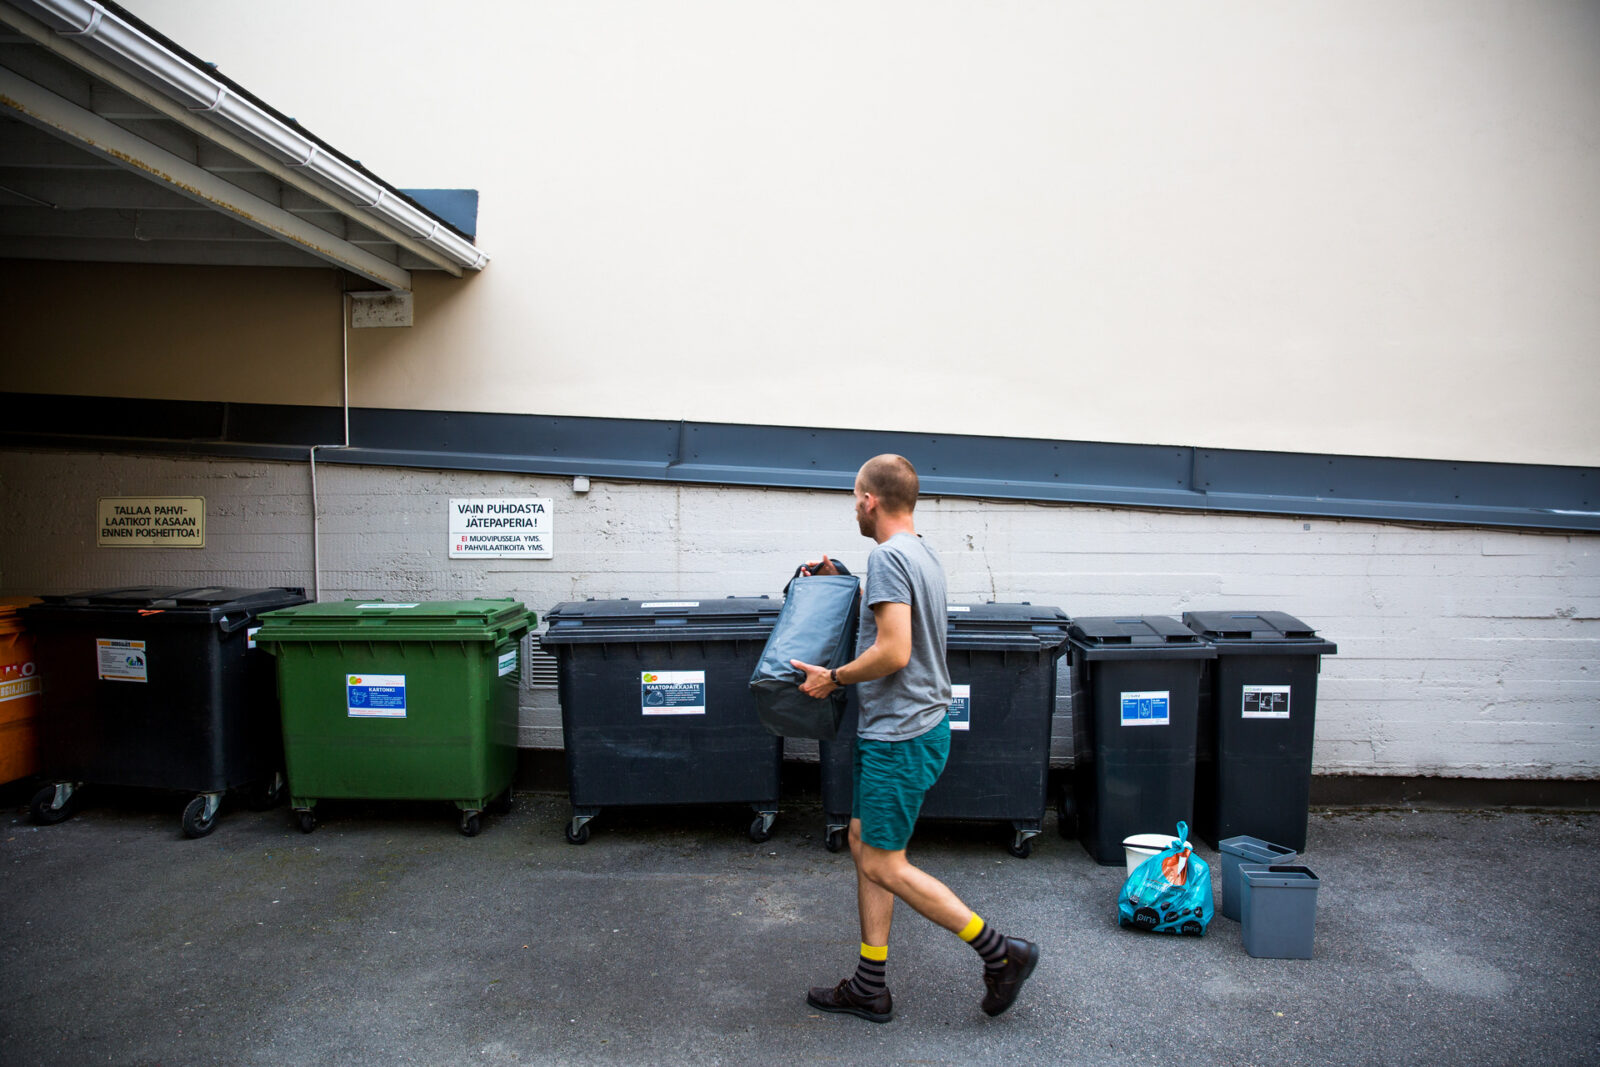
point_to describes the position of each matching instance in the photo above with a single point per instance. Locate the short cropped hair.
(893, 480)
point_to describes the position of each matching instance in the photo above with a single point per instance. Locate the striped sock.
(869, 979)
(987, 941)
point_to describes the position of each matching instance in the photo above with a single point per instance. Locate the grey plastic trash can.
(1279, 912)
(1241, 850)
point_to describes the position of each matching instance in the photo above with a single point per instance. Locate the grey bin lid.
(668, 618)
(1006, 628)
(1258, 633)
(189, 603)
(1119, 637)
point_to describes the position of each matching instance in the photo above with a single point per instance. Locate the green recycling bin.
(392, 701)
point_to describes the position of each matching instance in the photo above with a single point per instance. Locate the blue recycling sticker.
(376, 696)
(1147, 709)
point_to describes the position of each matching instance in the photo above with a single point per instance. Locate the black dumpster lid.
(1006, 626)
(180, 598)
(1257, 629)
(1123, 636)
(660, 619)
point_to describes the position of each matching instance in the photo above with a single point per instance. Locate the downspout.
(344, 390)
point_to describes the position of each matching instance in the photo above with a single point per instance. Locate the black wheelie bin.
(158, 687)
(656, 707)
(1258, 712)
(1002, 661)
(1135, 706)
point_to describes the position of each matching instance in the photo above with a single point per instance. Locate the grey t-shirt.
(913, 700)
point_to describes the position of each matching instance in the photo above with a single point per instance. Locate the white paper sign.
(960, 706)
(1266, 702)
(121, 661)
(493, 528)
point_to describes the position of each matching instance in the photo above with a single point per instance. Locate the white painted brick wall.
(1465, 652)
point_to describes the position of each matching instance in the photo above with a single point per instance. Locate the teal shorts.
(890, 779)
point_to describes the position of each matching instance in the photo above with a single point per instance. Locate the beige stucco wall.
(1365, 227)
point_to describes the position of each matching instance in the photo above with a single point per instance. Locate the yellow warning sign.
(151, 522)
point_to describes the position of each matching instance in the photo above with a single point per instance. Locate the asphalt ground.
(386, 937)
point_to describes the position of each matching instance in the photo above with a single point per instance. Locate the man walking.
(902, 741)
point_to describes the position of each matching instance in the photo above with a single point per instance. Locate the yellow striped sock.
(972, 929)
(876, 953)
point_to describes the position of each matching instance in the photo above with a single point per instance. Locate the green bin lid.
(385, 620)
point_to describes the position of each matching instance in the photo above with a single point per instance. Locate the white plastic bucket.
(1141, 847)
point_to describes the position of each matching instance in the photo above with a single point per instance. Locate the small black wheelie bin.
(656, 705)
(1135, 697)
(1002, 661)
(1258, 711)
(158, 687)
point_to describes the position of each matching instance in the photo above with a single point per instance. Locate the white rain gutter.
(96, 28)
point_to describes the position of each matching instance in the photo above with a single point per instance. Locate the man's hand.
(820, 566)
(817, 683)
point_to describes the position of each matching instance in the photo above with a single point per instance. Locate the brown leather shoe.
(841, 997)
(1005, 983)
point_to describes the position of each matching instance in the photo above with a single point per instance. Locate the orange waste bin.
(19, 695)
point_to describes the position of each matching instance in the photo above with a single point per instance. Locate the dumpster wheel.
(306, 819)
(761, 828)
(471, 824)
(836, 838)
(200, 814)
(578, 830)
(1022, 845)
(54, 803)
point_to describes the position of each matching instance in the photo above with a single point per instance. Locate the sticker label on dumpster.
(960, 706)
(382, 604)
(250, 636)
(1147, 709)
(508, 662)
(18, 680)
(121, 661)
(672, 692)
(1266, 702)
(376, 696)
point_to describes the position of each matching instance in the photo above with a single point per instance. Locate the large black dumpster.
(1258, 710)
(656, 705)
(1003, 673)
(158, 687)
(1135, 696)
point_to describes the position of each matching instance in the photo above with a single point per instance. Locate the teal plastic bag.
(1169, 893)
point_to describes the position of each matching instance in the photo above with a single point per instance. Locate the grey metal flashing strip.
(1085, 472)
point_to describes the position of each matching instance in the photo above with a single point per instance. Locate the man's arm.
(890, 652)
